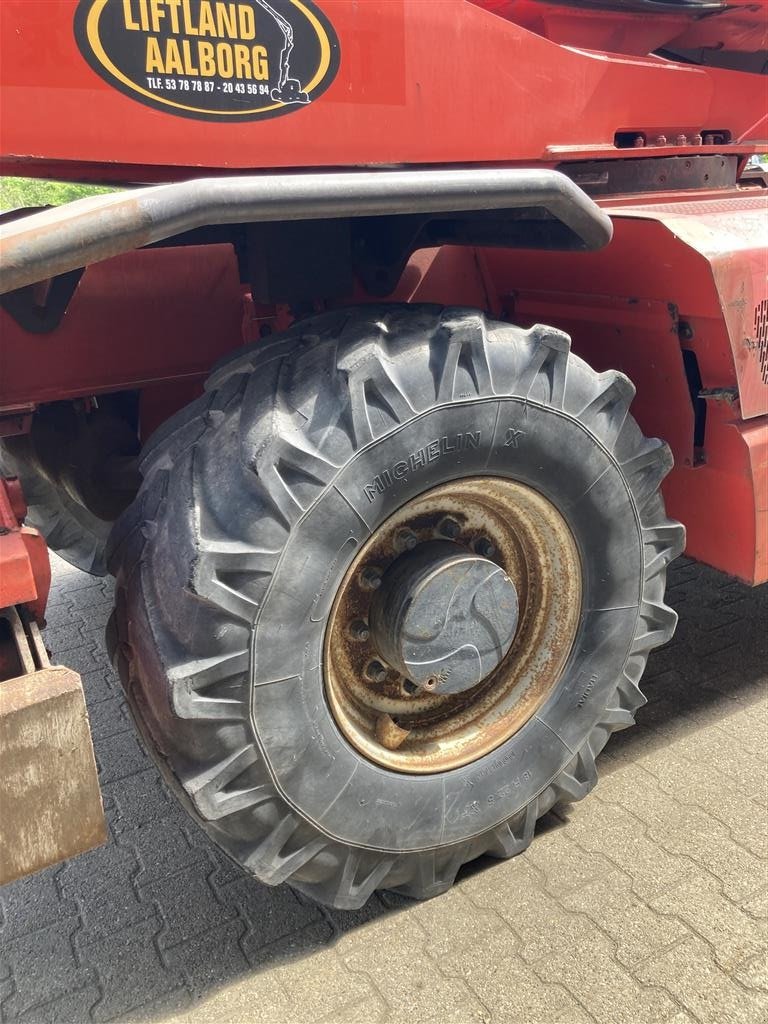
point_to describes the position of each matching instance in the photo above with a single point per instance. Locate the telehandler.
(411, 342)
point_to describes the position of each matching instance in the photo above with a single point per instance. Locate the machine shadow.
(158, 917)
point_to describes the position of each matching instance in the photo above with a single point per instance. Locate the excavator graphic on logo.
(287, 90)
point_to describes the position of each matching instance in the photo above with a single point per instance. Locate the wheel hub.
(452, 625)
(444, 617)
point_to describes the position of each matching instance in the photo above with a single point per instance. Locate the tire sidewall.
(313, 767)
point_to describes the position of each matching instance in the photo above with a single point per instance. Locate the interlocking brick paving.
(647, 903)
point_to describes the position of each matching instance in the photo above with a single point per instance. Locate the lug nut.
(485, 547)
(449, 528)
(370, 579)
(358, 630)
(405, 540)
(375, 671)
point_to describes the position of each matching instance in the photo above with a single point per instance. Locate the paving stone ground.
(647, 903)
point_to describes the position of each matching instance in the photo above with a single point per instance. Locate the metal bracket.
(42, 317)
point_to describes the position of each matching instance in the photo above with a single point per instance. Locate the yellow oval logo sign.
(236, 60)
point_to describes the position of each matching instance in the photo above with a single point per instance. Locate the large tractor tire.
(69, 528)
(66, 465)
(387, 590)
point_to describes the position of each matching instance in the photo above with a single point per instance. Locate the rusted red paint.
(701, 264)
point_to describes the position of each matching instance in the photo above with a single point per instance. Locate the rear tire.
(69, 528)
(254, 502)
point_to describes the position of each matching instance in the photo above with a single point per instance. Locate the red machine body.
(26, 573)
(656, 326)
(678, 300)
(405, 82)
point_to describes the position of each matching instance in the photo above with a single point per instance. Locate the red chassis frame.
(658, 291)
(26, 572)
(684, 274)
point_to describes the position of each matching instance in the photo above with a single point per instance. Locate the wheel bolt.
(375, 671)
(358, 630)
(370, 579)
(449, 528)
(405, 540)
(484, 547)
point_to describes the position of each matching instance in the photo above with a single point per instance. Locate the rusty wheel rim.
(527, 545)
